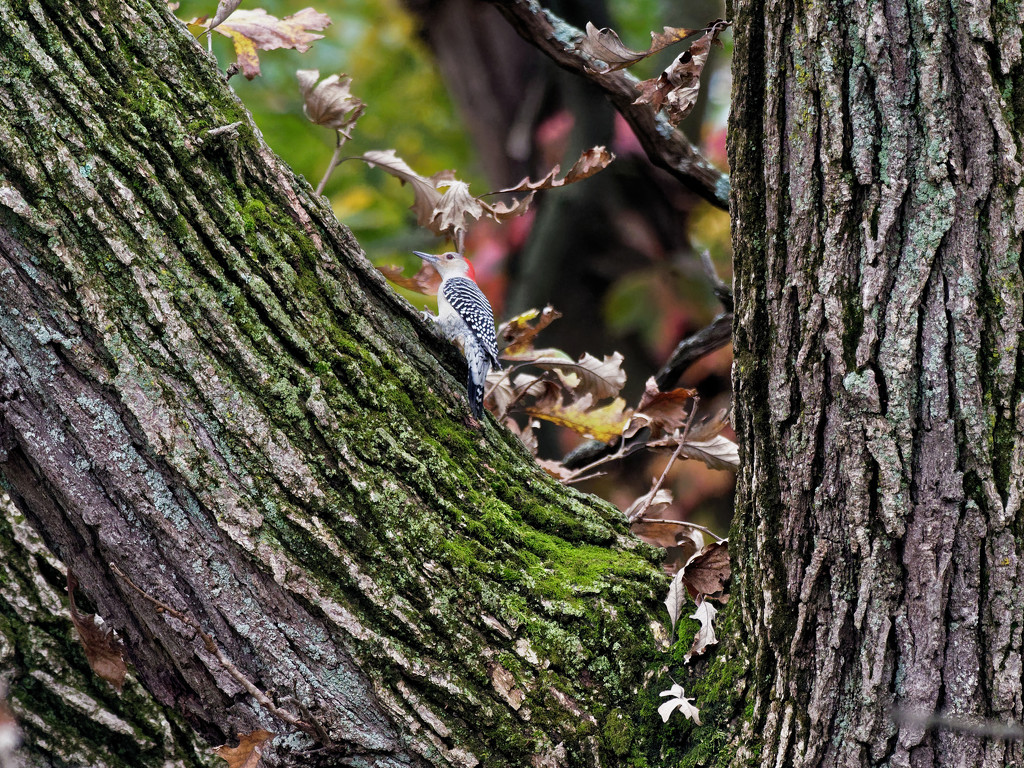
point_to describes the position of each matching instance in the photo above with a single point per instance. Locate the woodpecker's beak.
(427, 257)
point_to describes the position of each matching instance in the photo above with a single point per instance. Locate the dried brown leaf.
(718, 452)
(527, 435)
(676, 89)
(709, 427)
(590, 162)
(425, 193)
(503, 392)
(446, 213)
(652, 502)
(247, 753)
(516, 335)
(224, 9)
(426, 280)
(256, 30)
(329, 103)
(555, 468)
(606, 46)
(657, 533)
(663, 412)
(586, 376)
(708, 572)
(103, 648)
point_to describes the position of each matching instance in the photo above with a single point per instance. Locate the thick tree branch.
(666, 147)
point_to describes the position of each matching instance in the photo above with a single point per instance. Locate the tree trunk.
(206, 386)
(878, 380)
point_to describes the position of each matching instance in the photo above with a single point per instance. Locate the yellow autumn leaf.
(604, 423)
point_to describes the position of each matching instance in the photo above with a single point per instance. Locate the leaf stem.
(335, 159)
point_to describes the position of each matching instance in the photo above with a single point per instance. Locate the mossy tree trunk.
(204, 383)
(877, 207)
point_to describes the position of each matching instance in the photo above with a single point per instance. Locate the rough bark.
(204, 383)
(877, 224)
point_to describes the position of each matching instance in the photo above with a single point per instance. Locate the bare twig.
(579, 475)
(681, 438)
(686, 524)
(339, 141)
(211, 646)
(723, 291)
(666, 146)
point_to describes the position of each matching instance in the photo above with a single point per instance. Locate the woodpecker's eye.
(449, 256)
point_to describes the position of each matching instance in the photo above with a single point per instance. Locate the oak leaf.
(663, 412)
(249, 750)
(444, 213)
(708, 572)
(705, 636)
(588, 375)
(606, 46)
(676, 89)
(517, 335)
(590, 162)
(718, 452)
(680, 702)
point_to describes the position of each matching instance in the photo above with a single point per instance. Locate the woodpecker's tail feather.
(479, 365)
(475, 394)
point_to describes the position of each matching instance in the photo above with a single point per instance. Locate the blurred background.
(449, 85)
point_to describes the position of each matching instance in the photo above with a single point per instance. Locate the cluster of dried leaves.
(442, 203)
(584, 395)
(676, 89)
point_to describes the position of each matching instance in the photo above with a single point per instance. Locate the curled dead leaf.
(330, 102)
(446, 213)
(705, 636)
(249, 750)
(587, 375)
(677, 88)
(718, 452)
(103, 648)
(708, 572)
(516, 335)
(256, 30)
(590, 162)
(663, 412)
(606, 46)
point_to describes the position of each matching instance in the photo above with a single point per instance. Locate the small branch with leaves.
(666, 147)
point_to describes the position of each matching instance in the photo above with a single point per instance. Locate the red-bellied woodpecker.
(466, 318)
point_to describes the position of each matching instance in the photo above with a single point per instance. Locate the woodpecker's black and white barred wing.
(466, 298)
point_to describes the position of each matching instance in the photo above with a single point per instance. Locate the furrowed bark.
(204, 382)
(877, 224)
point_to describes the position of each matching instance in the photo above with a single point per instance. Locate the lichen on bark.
(877, 228)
